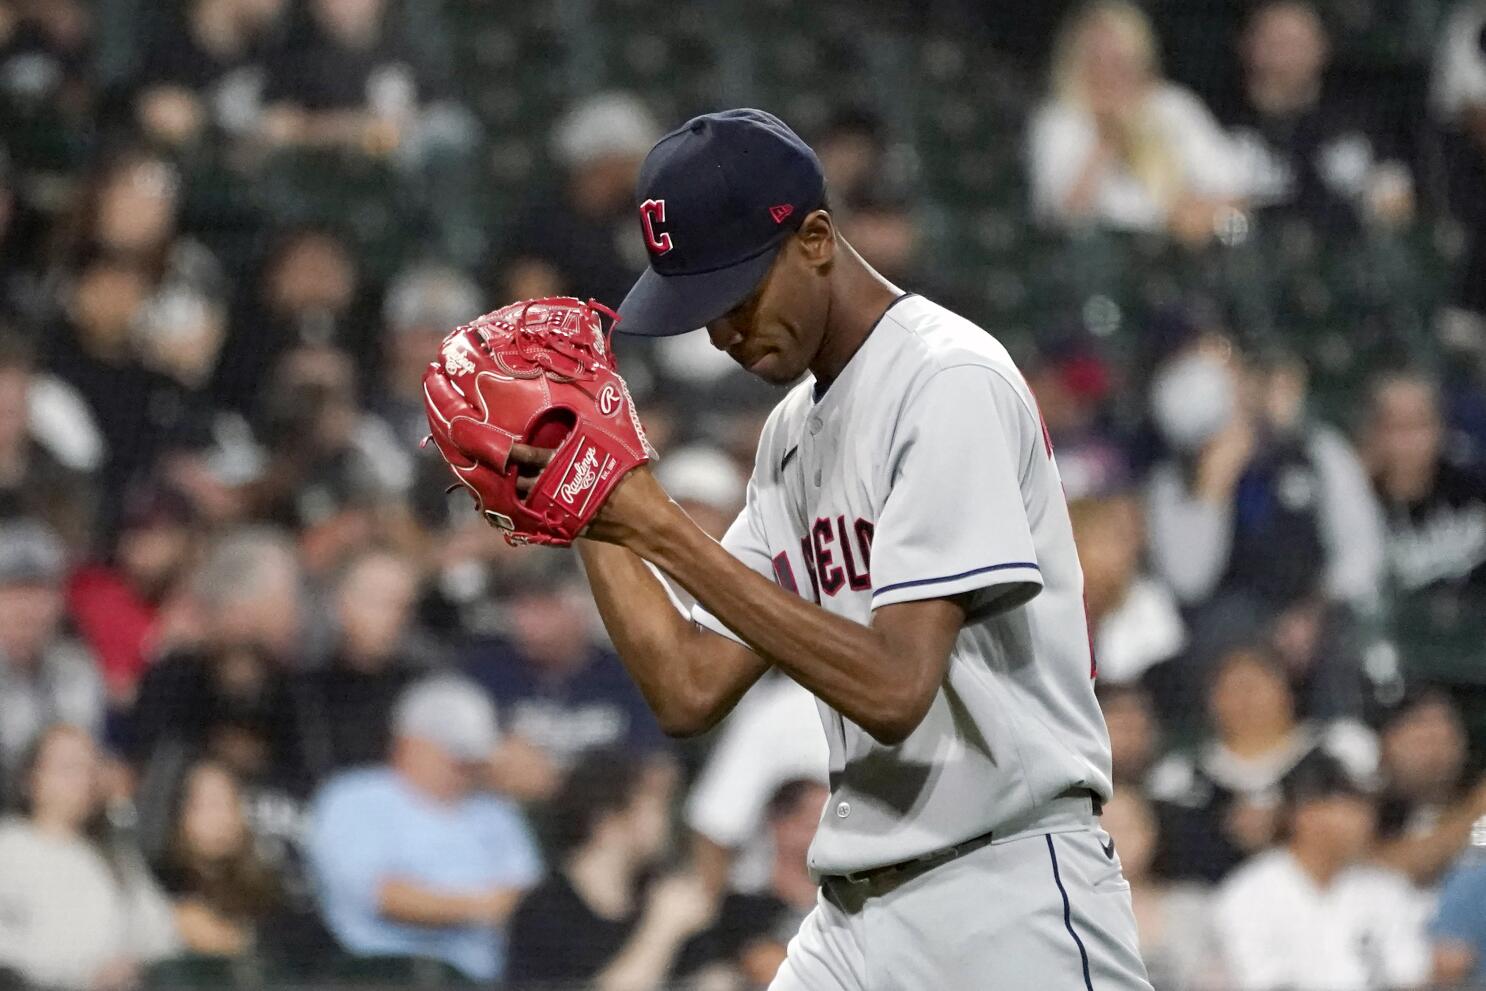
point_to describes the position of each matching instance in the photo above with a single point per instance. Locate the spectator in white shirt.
(1309, 915)
(1133, 616)
(1119, 146)
(772, 737)
(77, 908)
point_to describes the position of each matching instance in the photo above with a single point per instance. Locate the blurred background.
(275, 712)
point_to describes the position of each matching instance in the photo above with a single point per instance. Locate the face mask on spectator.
(1191, 400)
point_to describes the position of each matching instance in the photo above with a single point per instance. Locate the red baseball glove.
(538, 372)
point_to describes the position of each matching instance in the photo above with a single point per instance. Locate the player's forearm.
(688, 681)
(850, 666)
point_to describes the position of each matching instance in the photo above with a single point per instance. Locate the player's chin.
(774, 369)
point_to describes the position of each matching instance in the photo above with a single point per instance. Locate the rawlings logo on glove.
(539, 373)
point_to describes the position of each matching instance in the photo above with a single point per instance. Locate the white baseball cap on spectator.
(605, 124)
(431, 295)
(451, 712)
(31, 553)
(702, 474)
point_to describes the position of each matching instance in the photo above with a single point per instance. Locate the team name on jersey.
(837, 554)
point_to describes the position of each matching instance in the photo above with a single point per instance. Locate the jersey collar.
(817, 391)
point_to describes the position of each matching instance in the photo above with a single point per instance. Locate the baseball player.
(905, 554)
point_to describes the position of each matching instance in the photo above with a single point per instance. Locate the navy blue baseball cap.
(718, 196)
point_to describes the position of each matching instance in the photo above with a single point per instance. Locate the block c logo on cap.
(653, 212)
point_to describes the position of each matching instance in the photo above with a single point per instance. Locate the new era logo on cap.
(718, 196)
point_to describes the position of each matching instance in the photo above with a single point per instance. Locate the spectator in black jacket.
(594, 920)
(1307, 152)
(348, 701)
(1435, 507)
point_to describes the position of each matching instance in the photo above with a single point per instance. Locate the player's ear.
(817, 238)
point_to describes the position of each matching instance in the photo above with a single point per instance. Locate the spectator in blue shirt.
(1459, 928)
(408, 859)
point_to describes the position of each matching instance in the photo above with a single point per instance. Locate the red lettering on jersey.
(865, 530)
(858, 580)
(809, 555)
(784, 573)
(830, 577)
(653, 212)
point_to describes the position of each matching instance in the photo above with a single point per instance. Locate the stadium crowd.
(275, 710)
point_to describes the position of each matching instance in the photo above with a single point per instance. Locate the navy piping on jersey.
(816, 392)
(1083, 954)
(952, 578)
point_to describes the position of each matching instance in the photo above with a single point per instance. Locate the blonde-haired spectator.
(1118, 145)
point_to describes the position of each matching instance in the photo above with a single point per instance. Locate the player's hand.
(626, 514)
(530, 461)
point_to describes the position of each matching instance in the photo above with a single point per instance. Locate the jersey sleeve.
(745, 541)
(955, 521)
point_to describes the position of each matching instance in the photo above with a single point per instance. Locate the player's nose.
(723, 333)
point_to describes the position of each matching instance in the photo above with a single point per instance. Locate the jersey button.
(843, 810)
(814, 425)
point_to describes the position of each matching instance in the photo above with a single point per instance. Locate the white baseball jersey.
(922, 472)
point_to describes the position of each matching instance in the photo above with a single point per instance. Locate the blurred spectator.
(552, 684)
(753, 929)
(1177, 939)
(1306, 151)
(706, 484)
(409, 859)
(772, 737)
(1073, 385)
(1249, 476)
(115, 602)
(307, 293)
(130, 210)
(349, 83)
(592, 920)
(1428, 804)
(1116, 144)
(140, 412)
(1458, 930)
(79, 907)
(335, 473)
(1260, 519)
(1309, 914)
(1459, 97)
(223, 690)
(205, 77)
(222, 890)
(1435, 510)
(46, 86)
(1221, 801)
(1134, 732)
(347, 703)
(1134, 619)
(45, 676)
(424, 303)
(33, 482)
(853, 152)
(579, 239)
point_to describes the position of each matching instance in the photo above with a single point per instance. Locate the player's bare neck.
(859, 297)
